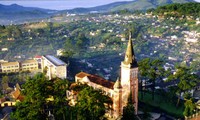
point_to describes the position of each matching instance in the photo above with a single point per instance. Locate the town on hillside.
(114, 65)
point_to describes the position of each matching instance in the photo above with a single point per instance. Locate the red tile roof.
(82, 74)
(96, 79)
(37, 56)
(16, 93)
(20, 98)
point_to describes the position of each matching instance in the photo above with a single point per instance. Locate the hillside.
(15, 13)
(147, 4)
(178, 10)
(131, 5)
(102, 8)
(14, 8)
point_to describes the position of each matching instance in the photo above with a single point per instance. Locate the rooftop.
(9, 63)
(96, 79)
(54, 60)
(15, 94)
(38, 56)
(28, 61)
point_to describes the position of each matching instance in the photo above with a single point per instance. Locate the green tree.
(129, 110)
(69, 49)
(186, 81)
(4, 82)
(91, 104)
(33, 106)
(151, 70)
(59, 102)
(41, 96)
(189, 108)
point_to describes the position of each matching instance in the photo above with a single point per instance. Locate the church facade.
(125, 87)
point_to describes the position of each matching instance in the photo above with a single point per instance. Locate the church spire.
(130, 56)
(118, 84)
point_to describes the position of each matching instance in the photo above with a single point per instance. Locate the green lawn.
(162, 104)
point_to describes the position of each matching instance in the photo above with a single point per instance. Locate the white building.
(54, 67)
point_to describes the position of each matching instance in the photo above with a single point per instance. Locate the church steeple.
(130, 56)
(118, 84)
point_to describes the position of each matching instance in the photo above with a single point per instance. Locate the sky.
(60, 4)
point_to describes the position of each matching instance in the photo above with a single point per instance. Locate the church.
(120, 90)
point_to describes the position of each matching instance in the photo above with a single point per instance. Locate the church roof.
(130, 56)
(82, 74)
(96, 79)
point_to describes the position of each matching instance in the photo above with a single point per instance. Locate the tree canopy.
(42, 96)
(151, 70)
(92, 104)
(189, 9)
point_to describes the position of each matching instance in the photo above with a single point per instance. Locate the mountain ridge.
(19, 8)
(19, 14)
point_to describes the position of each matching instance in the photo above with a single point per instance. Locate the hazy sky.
(60, 4)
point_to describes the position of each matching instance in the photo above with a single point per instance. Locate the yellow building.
(10, 67)
(54, 67)
(29, 65)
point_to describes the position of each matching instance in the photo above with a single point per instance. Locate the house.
(16, 94)
(125, 87)
(4, 49)
(60, 52)
(54, 67)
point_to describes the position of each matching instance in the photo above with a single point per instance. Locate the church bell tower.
(129, 76)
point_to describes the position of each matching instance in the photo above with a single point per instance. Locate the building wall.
(48, 66)
(125, 82)
(10, 67)
(61, 71)
(117, 103)
(129, 81)
(134, 87)
(53, 70)
(33, 65)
